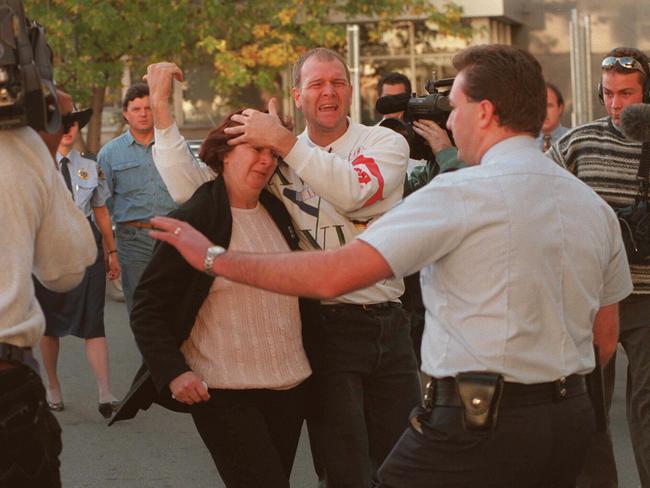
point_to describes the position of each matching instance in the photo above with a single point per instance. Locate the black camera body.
(27, 92)
(434, 106)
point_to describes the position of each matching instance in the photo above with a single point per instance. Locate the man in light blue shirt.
(137, 189)
(552, 129)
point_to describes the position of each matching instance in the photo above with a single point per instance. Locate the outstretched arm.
(320, 274)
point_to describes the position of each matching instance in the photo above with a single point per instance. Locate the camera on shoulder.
(433, 106)
(27, 92)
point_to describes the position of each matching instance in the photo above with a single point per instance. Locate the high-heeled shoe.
(107, 408)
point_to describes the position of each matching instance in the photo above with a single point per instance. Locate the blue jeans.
(30, 436)
(364, 386)
(134, 249)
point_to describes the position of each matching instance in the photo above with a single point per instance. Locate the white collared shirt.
(517, 257)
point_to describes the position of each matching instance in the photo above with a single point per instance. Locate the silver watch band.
(211, 254)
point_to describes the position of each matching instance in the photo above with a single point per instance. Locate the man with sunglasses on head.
(600, 155)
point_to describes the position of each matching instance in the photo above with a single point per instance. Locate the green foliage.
(251, 41)
(248, 41)
(92, 39)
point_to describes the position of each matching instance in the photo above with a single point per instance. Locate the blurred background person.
(393, 83)
(135, 186)
(80, 312)
(552, 129)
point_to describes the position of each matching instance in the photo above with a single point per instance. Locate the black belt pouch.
(480, 394)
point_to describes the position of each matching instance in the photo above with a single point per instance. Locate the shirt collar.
(503, 148)
(558, 131)
(130, 140)
(71, 156)
(333, 143)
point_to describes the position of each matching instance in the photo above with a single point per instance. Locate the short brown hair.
(511, 79)
(322, 54)
(214, 148)
(139, 90)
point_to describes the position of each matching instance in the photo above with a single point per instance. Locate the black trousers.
(30, 436)
(539, 446)
(365, 383)
(252, 435)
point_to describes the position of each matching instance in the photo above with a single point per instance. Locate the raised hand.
(261, 129)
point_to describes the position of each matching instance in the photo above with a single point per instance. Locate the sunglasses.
(67, 121)
(626, 62)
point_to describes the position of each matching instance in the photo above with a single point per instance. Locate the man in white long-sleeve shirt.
(339, 176)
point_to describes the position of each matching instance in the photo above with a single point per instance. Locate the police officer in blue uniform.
(80, 312)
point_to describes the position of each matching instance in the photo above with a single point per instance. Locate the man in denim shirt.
(137, 190)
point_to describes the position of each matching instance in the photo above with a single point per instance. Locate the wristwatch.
(211, 254)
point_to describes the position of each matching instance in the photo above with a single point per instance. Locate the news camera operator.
(603, 157)
(43, 233)
(421, 120)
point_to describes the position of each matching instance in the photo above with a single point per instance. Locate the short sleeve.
(421, 229)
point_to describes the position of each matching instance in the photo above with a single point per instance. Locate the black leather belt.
(443, 392)
(355, 306)
(15, 354)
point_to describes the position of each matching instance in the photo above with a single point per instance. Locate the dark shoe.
(107, 408)
(55, 406)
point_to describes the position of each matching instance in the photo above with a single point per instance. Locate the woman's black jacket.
(170, 293)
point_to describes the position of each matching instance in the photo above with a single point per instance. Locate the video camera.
(434, 106)
(27, 92)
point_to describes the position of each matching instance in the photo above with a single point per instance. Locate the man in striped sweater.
(600, 155)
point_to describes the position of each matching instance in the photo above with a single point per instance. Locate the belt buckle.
(560, 388)
(429, 394)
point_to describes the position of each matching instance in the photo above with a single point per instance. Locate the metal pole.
(588, 82)
(353, 65)
(573, 28)
(413, 76)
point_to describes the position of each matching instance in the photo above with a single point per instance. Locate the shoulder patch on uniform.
(100, 173)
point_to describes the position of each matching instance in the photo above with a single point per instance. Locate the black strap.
(65, 171)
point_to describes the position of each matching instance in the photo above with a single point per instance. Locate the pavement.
(161, 449)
